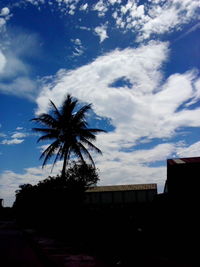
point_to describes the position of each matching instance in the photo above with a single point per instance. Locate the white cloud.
(114, 172)
(84, 7)
(146, 20)
(14, 141)
(128, 107)
(2, 62)
(156, 17)
(78, 49)
(22, 87)
(13, 66)
(2, 22)
(116, 167)
(84, 28)
(112, 2)
(76, 41)
(18, 135)
(10, 180)
(101, 31)
(192, 29)
(4, 16)
(4, 11)
(189, 151)
(140, 66)
(35, 2)
(101, 8)
(15, 72)
(148, 108)
(125, 168)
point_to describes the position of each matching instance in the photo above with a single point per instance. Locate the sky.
(137, 62)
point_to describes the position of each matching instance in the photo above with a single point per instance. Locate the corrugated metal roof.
(183, 160)
(129, 187)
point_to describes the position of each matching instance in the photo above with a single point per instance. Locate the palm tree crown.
(68, 130)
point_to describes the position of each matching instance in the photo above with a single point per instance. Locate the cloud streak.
(14, 139)
(15, 72)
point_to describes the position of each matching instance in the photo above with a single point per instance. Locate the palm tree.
(68, 130)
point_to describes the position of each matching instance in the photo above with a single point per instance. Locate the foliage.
(55, 200)
(68, 130)
(83, 173)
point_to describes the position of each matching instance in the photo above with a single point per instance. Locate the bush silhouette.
(56, 202)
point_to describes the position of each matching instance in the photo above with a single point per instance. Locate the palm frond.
(68, 131)
(56, 158)
(90, 133)
(49, 152)
(77, 152)
(86, 152)
(96, 130)
(68, 106)
(47, 137)
(80, 115)
(55, 110)
(44, 130)
(46, 120)
(65, 151)
(91, 145)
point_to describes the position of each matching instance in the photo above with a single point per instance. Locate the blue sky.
(137, 62)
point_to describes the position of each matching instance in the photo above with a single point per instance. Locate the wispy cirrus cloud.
(18, 135)
(13, 141)
(13, 138)
(192, 29)
(15, 72)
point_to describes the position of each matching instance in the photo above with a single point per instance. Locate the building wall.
(183, 179)
(121, 197)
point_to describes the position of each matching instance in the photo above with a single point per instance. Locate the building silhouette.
(176, 211)
(121, 195)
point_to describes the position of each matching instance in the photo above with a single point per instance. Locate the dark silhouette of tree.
(84, 174)
(55, 202)
(68, 130)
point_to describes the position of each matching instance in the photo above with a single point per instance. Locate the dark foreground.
(27, 248)
(14, 248)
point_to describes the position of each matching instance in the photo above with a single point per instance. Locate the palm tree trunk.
(64, 165)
